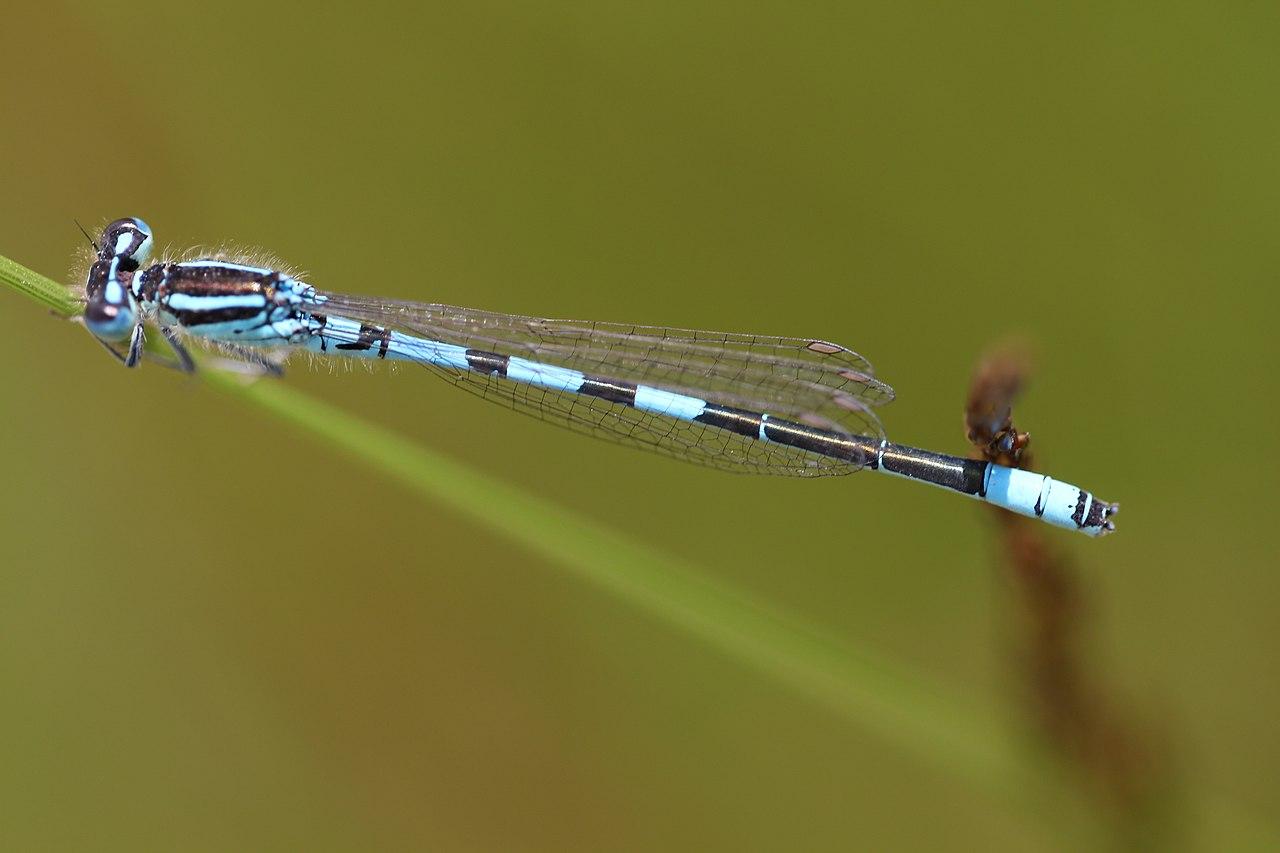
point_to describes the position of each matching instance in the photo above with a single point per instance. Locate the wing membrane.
(812, 382)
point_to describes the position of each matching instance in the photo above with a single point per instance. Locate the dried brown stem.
(1116, 757)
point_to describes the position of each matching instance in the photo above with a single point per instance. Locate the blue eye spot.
(128, 240)
(111, 322)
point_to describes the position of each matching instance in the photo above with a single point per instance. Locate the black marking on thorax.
(149, 283)
(208, 283)
(219, 280)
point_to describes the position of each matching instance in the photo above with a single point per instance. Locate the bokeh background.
(217, 633)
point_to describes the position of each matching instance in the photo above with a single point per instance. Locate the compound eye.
(128, 240)
(97, 279)
(108, 321)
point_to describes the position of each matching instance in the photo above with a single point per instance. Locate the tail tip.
(1100, 517)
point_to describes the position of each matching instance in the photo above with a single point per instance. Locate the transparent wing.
(778, 368)
(812, 382)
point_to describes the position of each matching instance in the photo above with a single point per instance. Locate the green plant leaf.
(35, 286)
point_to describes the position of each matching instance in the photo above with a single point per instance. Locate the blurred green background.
(217, 633)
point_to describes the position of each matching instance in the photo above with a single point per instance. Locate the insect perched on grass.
(748, 403)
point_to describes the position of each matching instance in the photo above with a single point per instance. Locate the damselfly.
(748, 403)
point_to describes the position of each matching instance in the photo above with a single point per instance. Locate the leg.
(185, 363)
(109, 348)
(135, 348)
(265, 365)
(259, 365)
(136, 342)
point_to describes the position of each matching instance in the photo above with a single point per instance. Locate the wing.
(812, 382)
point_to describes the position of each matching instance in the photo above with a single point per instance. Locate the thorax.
(214, 298)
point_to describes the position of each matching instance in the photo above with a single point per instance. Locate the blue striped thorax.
(222, 300)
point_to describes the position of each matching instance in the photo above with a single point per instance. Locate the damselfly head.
(127, 241)
(110, 312)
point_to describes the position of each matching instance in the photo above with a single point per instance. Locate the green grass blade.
(35, 286)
